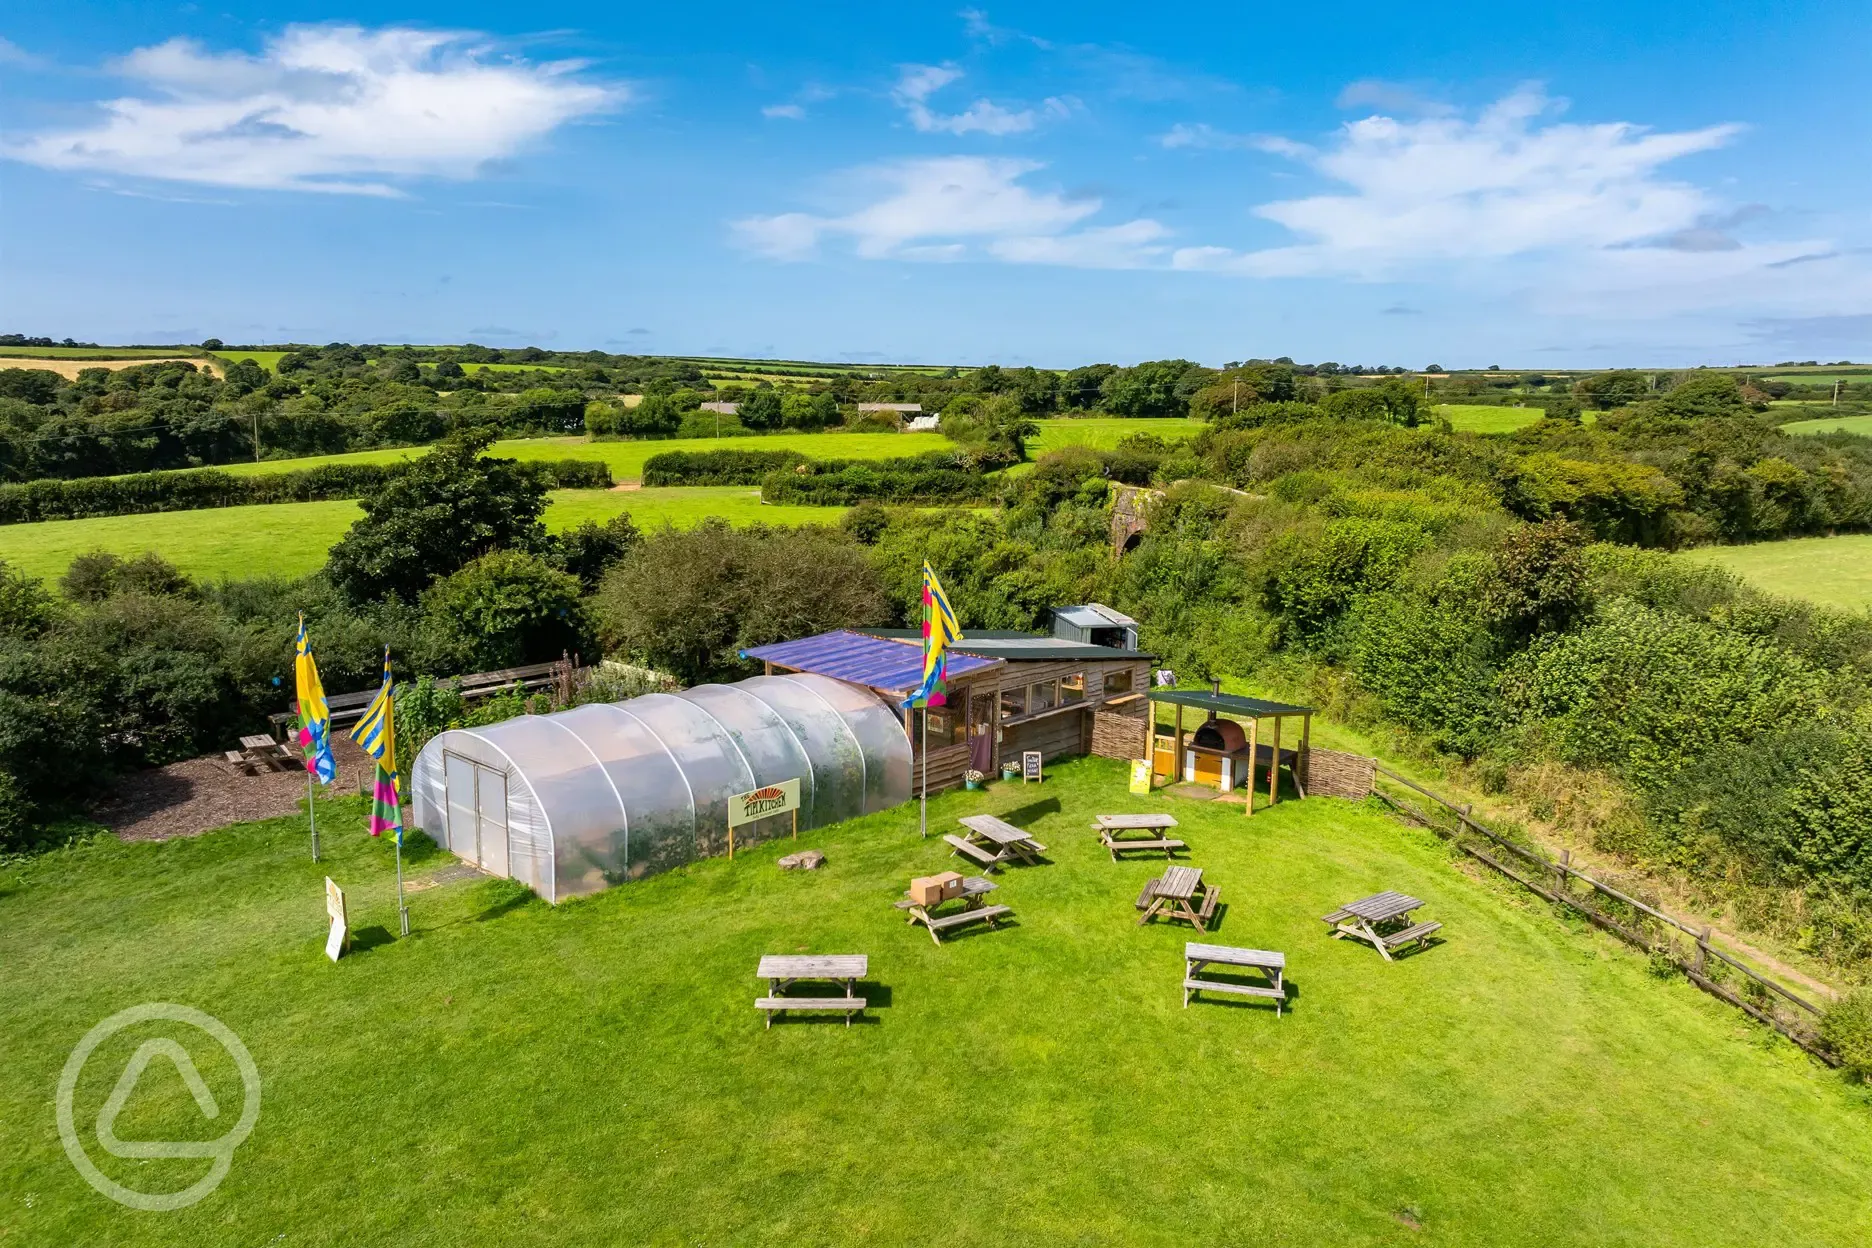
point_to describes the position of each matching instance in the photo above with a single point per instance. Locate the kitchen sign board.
(763, 803)
(335, 910)
(1030, 765)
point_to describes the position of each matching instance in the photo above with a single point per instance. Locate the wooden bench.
(1211, 895)
(1419, 932)
(1168, 847)
(240, 762)
(1144, 898)
(1193, 986)
(991, 915)
(969, 849)
(774, 1005)
(1337, 916)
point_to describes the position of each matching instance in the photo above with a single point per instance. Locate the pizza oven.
(1224, 736)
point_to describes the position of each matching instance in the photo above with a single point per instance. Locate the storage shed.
(576, 801)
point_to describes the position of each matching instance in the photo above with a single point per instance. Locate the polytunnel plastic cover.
(573, 802)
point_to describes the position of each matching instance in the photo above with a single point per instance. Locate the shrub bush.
(727, 467)
(1847, 1029)
(934, 479)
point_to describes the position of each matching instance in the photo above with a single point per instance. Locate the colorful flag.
(376, 733)
(314, 715)
(939, 630)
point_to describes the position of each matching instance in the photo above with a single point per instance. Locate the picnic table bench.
(969, 849)
(1363, 920)
(1173, 895)
(1109, 827)
(974, 909)
(1009, 839)
(261, 752)
(1272, 966)
(782, 970)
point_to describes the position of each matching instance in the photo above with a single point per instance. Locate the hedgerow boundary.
(1645, 927)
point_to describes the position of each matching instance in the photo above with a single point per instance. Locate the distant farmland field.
(1861, 425)
(102, 353)
(1484, 418)
(627, 458)
(1831, 571)
(70, 366)
(291, 539)
(1104, 432)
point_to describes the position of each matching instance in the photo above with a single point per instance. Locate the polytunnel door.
(458, 779)
(491, 807)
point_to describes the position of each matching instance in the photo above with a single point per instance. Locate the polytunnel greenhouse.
(576, 801)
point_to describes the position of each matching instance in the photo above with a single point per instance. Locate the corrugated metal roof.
(1094, 615)
(1226, 703)
(895, 666)
(1018, 647)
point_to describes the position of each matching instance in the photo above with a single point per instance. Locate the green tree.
(1147, 390)
(451, 507)
(1605, 391)
(505, 609)
(762, 409)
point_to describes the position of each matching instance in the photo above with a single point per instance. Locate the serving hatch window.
(1072, 688)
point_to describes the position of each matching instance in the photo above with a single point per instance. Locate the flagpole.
(923, 805)
(401, 905)
(312, 815)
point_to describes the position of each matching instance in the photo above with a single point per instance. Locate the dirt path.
(201, 794)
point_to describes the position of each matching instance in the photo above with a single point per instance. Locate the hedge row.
(83, 497)
(727, 467)
(934, 479)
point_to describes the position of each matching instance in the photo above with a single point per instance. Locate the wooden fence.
(1632, 920)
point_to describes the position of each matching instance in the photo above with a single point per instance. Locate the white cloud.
(787, 112)
(962, 207)
(917, 83)
(324, 108)
(1444, 188)
(1203, 135)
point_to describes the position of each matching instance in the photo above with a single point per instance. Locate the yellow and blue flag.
(940, 628)
(314, 714)
(376, 733)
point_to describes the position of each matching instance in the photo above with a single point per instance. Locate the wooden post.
(1274, 766)
(1306, 757)
(1254, 729)
(1176, 755)
(1702, 950)
(796, 823)
(1560, 872)
(731, 842)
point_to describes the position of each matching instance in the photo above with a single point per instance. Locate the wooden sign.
(340, 931)
(772, 799)
(1030, 765)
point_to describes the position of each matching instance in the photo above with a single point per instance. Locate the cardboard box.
(928, 890)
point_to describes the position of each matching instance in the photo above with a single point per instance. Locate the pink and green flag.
(376, 733)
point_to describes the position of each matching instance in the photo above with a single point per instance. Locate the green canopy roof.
(1226, 703)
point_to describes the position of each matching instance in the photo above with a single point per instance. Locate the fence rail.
(1698, 969)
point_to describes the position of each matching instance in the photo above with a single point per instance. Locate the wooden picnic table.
(783, 970)
(1173, 895)
(1271, 965)
(262, 751)
(1363, 919)
(1152, 826)
(975, 909)
(1005, 836)
(1136, 823)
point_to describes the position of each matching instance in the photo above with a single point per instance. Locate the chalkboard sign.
(1030, 765)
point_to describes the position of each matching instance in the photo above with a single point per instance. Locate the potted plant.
(1010, 771)
(972, 779)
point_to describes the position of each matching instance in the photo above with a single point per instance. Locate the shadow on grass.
(365, 939)
(969, 931)
(1021, 816)
(1231, 1001)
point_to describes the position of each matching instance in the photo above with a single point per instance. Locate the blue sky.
(1599, 184)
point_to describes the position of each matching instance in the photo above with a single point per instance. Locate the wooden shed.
(1008, 692)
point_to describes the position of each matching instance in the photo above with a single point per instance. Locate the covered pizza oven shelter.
(1227, 752)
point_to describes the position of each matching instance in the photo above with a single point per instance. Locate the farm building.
(573, 802)
(1009, 692)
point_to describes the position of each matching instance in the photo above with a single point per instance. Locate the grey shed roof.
(1020, 647)
(1227, 703)
(1094, 615)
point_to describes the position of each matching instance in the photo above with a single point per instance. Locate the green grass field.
(268, 360)
(627, 458)
(100, 353)
(291, 539)
(1832, 571)
(1104, 432)
(1820, 379)
(1861, 425)
(595, 1073)
(1483, 418)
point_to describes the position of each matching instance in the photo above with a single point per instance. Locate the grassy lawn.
(595, 1074)
(1484, 418)
(627, 458)
(1861, 425)
(1832, 571)
(291, 539)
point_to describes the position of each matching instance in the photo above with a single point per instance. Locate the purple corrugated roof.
(877, 662)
